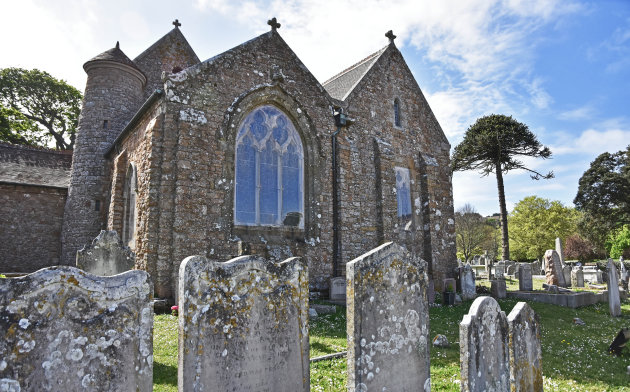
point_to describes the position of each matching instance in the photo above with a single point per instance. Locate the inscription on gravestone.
(388, 321)
(66, 330)
(243, 325)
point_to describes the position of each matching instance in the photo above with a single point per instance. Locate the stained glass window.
(129, 214)
(397, 112)
(403, 193)
(269, 171)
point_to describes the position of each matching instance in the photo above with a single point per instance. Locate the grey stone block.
(524, 349)
(498, 288)
(614, 302)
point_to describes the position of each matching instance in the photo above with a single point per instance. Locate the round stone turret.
(113, 94)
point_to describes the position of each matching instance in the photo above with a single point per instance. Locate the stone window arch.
(130, 213)
(269, 170)
(397, 113)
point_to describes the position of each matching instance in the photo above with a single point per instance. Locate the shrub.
(578, 248)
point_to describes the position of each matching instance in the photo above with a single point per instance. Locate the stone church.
(248, 153)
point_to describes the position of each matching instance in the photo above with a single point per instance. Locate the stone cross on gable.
(391, 36)
(176, 23)
(273, 22)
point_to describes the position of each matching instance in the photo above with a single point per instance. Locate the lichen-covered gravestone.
(524, 349)
(66, 330)
(243, 325)
(525, 282)
(483, 347)
(106, 256)
(387, 321)
(553, 269)
(613, 290)
(467, 279)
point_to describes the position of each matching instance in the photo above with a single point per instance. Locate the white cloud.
(582, 113)
(593, 142)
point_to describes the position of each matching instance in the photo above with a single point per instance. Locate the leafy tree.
(618, 243)
(473, 233)
(536, 222)
(36, 108)
(580, 248)
(492, 145)
(603, 196)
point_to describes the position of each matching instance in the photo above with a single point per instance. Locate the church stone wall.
(369, 203)
(31, 227)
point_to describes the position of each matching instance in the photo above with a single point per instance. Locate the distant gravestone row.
(243, 325)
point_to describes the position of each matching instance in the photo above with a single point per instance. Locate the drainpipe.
(341, 120)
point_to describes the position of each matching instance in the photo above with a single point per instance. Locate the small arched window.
(269, 171)
(129, 214)
(397, 112)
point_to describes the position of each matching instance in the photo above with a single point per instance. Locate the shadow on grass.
(164, 374)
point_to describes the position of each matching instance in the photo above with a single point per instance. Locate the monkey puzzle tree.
(492, 145)
(36, 108)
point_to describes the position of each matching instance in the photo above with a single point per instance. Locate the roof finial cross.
(176, 23)
(391, 36)
(273, 22)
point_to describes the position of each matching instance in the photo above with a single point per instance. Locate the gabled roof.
(171, 38)
(342, 84)
(114, 54)
(23, 165)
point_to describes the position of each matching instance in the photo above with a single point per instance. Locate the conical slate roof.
(116, 55)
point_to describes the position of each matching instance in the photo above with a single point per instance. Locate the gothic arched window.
(269, 171)
(397, 112)
(129, 214)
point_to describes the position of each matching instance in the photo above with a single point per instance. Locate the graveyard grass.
(575, 357)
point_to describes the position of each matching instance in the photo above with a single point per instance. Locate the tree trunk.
(505, 242)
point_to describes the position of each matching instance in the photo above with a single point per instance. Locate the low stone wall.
(569, 300)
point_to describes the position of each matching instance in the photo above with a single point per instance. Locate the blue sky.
(561, 67)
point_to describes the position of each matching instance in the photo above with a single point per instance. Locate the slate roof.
(116, 55)
(340, 85)
(23, 165)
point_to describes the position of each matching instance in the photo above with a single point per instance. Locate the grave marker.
(524, 349)
(553, 268)
(66, 330)
(577, 277)
(614, 303)
(483, 345)
(525, 282)
(106, 256)
(243, 325)
(566, 274)
(467, 279)
(338, 289)
(388, 321)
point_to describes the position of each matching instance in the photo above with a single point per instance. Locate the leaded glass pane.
(268, 185)
(291, 185)
(245, 210)
(403, 192)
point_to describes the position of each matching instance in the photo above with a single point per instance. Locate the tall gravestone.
(560, 250)
(577, 277)
(467, 279)
(525, 282)
(483, 345)
(553, 269)
(106, 255)
(387, 321)
(66, 330)
(499, 270)
(524, 349)
(623, 273)
(243, 325)
(613, 290)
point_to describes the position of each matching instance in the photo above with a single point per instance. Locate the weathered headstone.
(388, 321)
(553, 271)
(483, 348)
(613, 290)
(449, 284)
(106, 255)
(510, 269)
(560, 250)
(566, 274)
(623, 273)
(66, 330)
(536, 267)
(498, 288)
(524, 349)
(243, 325)
(525, 282)
(499, 270)
(467, 279)
(577, 277)
(338, 289)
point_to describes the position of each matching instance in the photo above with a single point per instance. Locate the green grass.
(575, 357)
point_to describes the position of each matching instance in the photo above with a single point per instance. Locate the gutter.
(157, 94)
